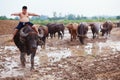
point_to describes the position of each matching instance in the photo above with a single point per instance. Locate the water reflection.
(53, 54)
(12, 66)
(98, 48)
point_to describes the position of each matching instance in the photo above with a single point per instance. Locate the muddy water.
(10, 63)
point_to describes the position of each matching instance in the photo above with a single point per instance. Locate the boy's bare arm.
(15, 14)
(33, 14)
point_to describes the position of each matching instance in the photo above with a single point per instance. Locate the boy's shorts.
(22, 24)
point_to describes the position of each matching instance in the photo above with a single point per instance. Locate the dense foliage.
(43, 19)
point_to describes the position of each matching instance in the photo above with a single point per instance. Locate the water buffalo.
(106, 28)
(117, 24)
(51, 30)
(43, 30)
(27, 41)
(82, 31)
(72, 27)
(95, 28)
(55, 28)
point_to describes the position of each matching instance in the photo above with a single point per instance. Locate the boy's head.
(24, 9)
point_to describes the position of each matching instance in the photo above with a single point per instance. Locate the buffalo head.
(30, 39)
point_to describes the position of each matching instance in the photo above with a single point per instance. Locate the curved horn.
(101, 27)
(41, 33)
(22, 33)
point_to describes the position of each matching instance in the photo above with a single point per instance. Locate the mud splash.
(55, 51)
(102, 48)
(11, 63)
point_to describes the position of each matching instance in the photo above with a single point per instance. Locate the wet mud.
(98, 59)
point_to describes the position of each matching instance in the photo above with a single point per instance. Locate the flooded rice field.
(98, 59)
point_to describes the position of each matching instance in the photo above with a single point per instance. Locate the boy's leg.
(19, 26)
(35, 29)
(14, 33)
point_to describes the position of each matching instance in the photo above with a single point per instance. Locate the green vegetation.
(70, 18)
(44, 22)
(3, 18)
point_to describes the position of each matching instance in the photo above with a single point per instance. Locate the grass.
(44, 22)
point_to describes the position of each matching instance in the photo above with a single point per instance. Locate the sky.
(47, 7)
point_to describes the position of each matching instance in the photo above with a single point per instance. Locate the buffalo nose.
(34, 47)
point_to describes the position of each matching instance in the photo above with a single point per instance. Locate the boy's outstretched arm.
(33, 14)
(15, 14)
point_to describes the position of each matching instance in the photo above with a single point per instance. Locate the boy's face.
(24, 10)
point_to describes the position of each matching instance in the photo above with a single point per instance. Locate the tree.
(95, 17)
(83, 17)
(117, 17)
(78, 17)
(3, 18)
(43, 17)
(54, 16)
(16, 18)
(35, 18)
(71, 17)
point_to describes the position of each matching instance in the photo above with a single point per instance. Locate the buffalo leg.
(22, 58)
(103, 33)
(44, 40)
(109, 33)
(54, 34)
(74, 36)
(106, 34)
(71, 37)
(47, 35)
(97, 35)
(61, 33)
(32, 60)
(58, 35)
(51, 35)
(81, 40)
(94, 35)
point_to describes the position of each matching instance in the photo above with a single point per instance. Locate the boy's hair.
(24, 7)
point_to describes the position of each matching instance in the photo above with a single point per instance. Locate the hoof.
(32, 69)
(23, 66)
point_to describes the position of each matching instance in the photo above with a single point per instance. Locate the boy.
(24, 19)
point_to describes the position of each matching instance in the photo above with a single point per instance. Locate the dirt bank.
(7, 26)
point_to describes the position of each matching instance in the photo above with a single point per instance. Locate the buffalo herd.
(27, 40)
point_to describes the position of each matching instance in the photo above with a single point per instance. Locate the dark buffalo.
(106, 28)
(55, 28)
(117, 24)
(27, 41)
(44, 31)
(72, 27)
(82, 31)
(51, 30)
(95, 28)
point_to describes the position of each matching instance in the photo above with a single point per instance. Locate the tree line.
(58, 16)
